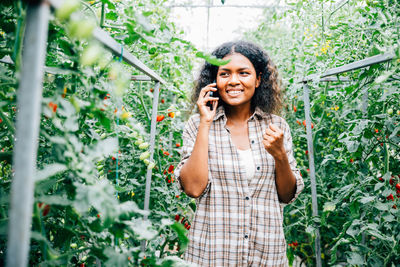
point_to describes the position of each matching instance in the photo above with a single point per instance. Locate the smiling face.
(237, 81)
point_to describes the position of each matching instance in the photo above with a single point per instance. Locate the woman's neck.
(238, 114)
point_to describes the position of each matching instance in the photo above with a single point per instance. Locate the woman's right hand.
(206, 114)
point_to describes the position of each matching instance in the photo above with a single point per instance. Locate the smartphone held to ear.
(212, 94)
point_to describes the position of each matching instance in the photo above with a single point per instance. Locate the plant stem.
(19, 36)
(102, 15)
(7, 121)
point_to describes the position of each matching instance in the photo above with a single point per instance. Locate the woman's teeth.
(236, 92)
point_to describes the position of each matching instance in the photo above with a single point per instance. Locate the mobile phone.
(212, 94)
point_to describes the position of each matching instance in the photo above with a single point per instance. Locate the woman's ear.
(258, 81)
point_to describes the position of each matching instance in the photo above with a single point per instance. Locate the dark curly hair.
(267, 95)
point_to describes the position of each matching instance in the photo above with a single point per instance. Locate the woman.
(238, 162)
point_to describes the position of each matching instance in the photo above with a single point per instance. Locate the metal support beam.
(152, 143)
(307, 109)
(227, 6)
(335, 79)
(359, 64)
(53, 70)
(140, 78)
(353, 66)
(152, 147)
(116, 48)
(27, 131)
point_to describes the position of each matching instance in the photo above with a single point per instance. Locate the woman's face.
(237, 80)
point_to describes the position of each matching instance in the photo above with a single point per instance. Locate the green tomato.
(144, 155)
(73, 245)
(81, 29)
(138, 142)
(390, 111)
(90, 55)
(66, 9)
(144, 145)
(378, 149)
(151, 166)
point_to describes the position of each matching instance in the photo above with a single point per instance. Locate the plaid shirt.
(238, 223)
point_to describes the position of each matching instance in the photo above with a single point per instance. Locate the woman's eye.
(223, 74)
(244, 73)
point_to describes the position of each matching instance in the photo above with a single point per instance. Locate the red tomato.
(46, 210)
(160, 117)
(171, 168)
(398, 186)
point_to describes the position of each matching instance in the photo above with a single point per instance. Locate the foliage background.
(95, 124)
(356, 150)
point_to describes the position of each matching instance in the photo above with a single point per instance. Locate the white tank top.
(246, 157)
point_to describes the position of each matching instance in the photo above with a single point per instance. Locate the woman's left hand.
(273, 141)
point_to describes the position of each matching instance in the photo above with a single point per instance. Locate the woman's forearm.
(285, 179)
(194, 173)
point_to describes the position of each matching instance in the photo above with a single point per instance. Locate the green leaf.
(181, 232)
(110, 4)
(100, 196)
(143, 229)
(383, 77)
(212, 59)
(329, 206)
(61, 200)
(112, 16)
(174, 261)
(355, 259)
(366, 200)
(381, 206)
(49, 171)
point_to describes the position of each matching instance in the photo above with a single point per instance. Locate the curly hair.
(267, 95)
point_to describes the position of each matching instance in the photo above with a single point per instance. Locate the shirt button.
(247, 198)
(252, 141)
(258, 168)
(246, 236)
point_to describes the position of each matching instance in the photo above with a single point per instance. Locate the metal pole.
(27, 130)
(152, 144)
(307, 109)
(365, 103)
(208, 24)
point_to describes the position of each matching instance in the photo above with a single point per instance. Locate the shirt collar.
(258, 112)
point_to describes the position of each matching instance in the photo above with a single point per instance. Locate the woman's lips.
(234, 92)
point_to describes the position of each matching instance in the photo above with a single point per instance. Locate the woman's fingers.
(204, 95)
(206, 90)
(274, 130)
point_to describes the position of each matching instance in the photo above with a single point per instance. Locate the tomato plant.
(93, 147)
(93, 151)
(356, 146)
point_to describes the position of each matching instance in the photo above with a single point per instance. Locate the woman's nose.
(234, 79)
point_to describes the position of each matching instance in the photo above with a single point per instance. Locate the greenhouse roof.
(208, 23)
